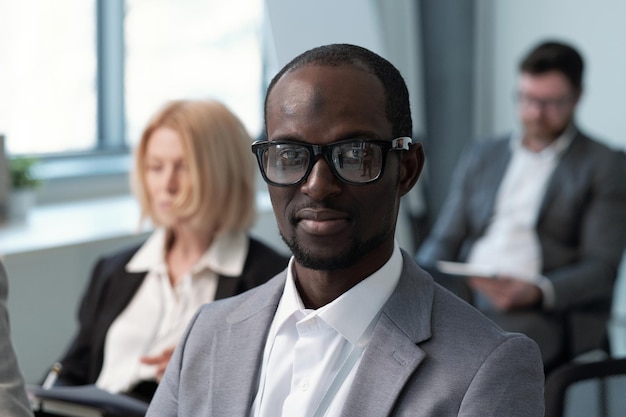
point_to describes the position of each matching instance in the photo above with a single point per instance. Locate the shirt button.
(304, 386)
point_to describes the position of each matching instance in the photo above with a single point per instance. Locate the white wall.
(508, 29)
(388, 28)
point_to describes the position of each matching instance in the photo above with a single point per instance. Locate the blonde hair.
(216, 146)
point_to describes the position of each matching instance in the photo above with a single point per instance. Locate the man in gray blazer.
(13, 400)
(547, 205)
(353, 327)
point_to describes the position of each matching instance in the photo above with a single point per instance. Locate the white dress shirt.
(157, 316)
(311, 356)
(510, 245)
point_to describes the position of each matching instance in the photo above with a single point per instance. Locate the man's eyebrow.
(360, 134)
(286, 137)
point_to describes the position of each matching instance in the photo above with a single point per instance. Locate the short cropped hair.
(221, 167)
(555, 56)
(398, 108)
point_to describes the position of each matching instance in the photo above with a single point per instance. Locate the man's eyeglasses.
(528, 101)
(354, 161)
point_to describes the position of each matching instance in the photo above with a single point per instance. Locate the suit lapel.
(389, 361)
(393, 355)
(121, 292)
(120, 289)
(226, 286)
(493, 168)
(247, 332)
(564, 173)
(386, 366)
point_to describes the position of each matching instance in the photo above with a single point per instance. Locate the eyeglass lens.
(528, 101)
(356, 162)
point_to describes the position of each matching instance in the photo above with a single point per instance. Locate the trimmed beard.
(353, 253)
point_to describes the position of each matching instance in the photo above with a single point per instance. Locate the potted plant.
(23, 185)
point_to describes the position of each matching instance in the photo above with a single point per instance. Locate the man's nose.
(321, 182)
(536, 109)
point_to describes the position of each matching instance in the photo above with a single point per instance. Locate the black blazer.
(111, 289)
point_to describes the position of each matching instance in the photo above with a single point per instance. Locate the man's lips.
(322, 221)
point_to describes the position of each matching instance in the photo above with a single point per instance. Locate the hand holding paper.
(463, 269)
(507, 293)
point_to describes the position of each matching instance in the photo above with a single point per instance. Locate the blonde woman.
(194, 178)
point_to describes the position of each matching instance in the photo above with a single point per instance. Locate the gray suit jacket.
(581, 224)
(431, 354)
(13, 401)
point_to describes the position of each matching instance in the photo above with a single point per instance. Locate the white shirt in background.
(306, 349)
(158, 314)
(510, 245)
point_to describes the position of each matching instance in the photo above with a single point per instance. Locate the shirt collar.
(226, 255)
(352, 312)
(555, 149)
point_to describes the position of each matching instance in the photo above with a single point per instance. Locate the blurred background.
(79, 78)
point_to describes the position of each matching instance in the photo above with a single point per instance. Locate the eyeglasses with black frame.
(353, 161)
(550, 104)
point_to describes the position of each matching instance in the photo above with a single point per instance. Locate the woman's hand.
(160, 361)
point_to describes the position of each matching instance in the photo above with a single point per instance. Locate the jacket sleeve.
(451, 228)
(493, 392)
(600, 234)
(13, 401)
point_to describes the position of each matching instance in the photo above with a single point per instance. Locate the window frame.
(103, 170)
(66, 176)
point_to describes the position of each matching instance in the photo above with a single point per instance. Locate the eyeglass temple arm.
(401, 143)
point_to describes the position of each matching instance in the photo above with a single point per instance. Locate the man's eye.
(354, 153)
(289, 154)
(292, 156)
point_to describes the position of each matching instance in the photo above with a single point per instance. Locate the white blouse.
(158, 314)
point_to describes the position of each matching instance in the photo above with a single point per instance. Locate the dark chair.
(586, 329)
(589, 389)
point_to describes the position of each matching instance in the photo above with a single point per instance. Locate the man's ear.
(578, 95)
(411, 165)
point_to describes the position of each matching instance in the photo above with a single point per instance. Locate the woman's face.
(167, 174)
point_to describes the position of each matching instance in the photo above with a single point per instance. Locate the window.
(47, 75)
(80, 76)
(193, 49)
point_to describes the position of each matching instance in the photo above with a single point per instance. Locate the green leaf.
(20, 171)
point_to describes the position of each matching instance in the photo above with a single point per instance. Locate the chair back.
(584, 389)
